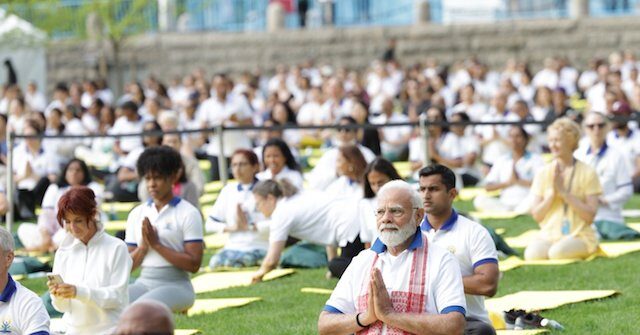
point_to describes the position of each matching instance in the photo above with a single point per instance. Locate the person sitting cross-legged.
(404, 283)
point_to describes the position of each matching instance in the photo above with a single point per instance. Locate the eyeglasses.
(596, 125)
(396, 212)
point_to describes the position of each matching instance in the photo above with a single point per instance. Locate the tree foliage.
(67, 18)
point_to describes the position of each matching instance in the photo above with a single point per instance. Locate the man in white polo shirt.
(468, 241)
(403, 284)
(21, 311)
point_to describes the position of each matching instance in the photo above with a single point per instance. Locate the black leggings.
(28, 200)
(338, 265)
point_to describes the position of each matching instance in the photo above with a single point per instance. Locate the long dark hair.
(379, 165)
(62, 180)
(290, 161)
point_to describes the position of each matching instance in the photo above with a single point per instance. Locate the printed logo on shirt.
(5, 328)
(452, 249)
(168, 226)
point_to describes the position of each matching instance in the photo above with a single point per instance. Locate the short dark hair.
(447, 176)
(129, 105)
(162, 160)
(379, 165)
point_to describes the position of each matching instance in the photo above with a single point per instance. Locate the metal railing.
(219, 131)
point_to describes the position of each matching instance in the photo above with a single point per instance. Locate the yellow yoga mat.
(109, 207)
(521, 332)
(315, 290)
(208, 198)
(116, 225)
(204, 165)
(216, 241)
(634, 226)
(515, 262)
(42, 257)
(213, 186)
(403, 168)
(469, 193)
(214, 281)
(186, 332)
(495, 215)
(543, 300)
(206, 306)
(615, 249)
(522, 240)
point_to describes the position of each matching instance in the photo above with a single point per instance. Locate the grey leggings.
(168, 285)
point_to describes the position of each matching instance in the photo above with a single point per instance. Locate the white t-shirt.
(325, 170)
(42, 163)
(344, 186)
(444, 290)
(628, 145)
(223, 214)
(367, 217)
(22, 311)
(526, 168)
(213, 113)
(100, 271)
(315, 217)
(177, 223)
(472, 246)
(293, 176)
(454, 147)
(614, 174)
(124, 126)
(312, 113)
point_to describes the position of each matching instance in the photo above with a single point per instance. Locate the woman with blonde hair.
(565, 199)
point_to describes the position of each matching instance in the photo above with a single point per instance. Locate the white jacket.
(100, 271)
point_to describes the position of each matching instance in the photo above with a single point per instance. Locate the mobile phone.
(55, 278)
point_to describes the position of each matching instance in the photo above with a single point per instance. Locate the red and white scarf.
(413, 301)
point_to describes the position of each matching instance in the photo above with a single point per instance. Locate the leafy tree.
(113, 21)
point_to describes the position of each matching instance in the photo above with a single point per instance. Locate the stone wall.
(170, 54)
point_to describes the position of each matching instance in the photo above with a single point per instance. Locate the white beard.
(395, 238)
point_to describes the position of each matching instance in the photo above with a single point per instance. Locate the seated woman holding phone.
(90, 270)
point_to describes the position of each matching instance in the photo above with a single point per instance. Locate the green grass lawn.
(285, 310)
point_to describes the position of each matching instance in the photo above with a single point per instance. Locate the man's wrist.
(361, 322)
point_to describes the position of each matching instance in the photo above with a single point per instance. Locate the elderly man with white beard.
(403, 284)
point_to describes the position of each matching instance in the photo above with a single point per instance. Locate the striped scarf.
(413, 301)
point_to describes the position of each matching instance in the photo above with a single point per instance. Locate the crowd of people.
(573, 174)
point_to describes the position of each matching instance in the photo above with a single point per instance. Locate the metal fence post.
(424, 133)
(10, 189)
(222, 159)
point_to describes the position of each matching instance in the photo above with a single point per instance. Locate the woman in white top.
(512, 175)
(34, 168)
(379, 172)
(235, 213)
(47, 234)
(312, 216)
(279, 163)
(164, 234)
(94, 267)
(350, 165)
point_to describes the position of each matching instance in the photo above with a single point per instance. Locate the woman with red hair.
(93, 265)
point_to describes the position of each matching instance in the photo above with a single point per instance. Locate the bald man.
(146, 317)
